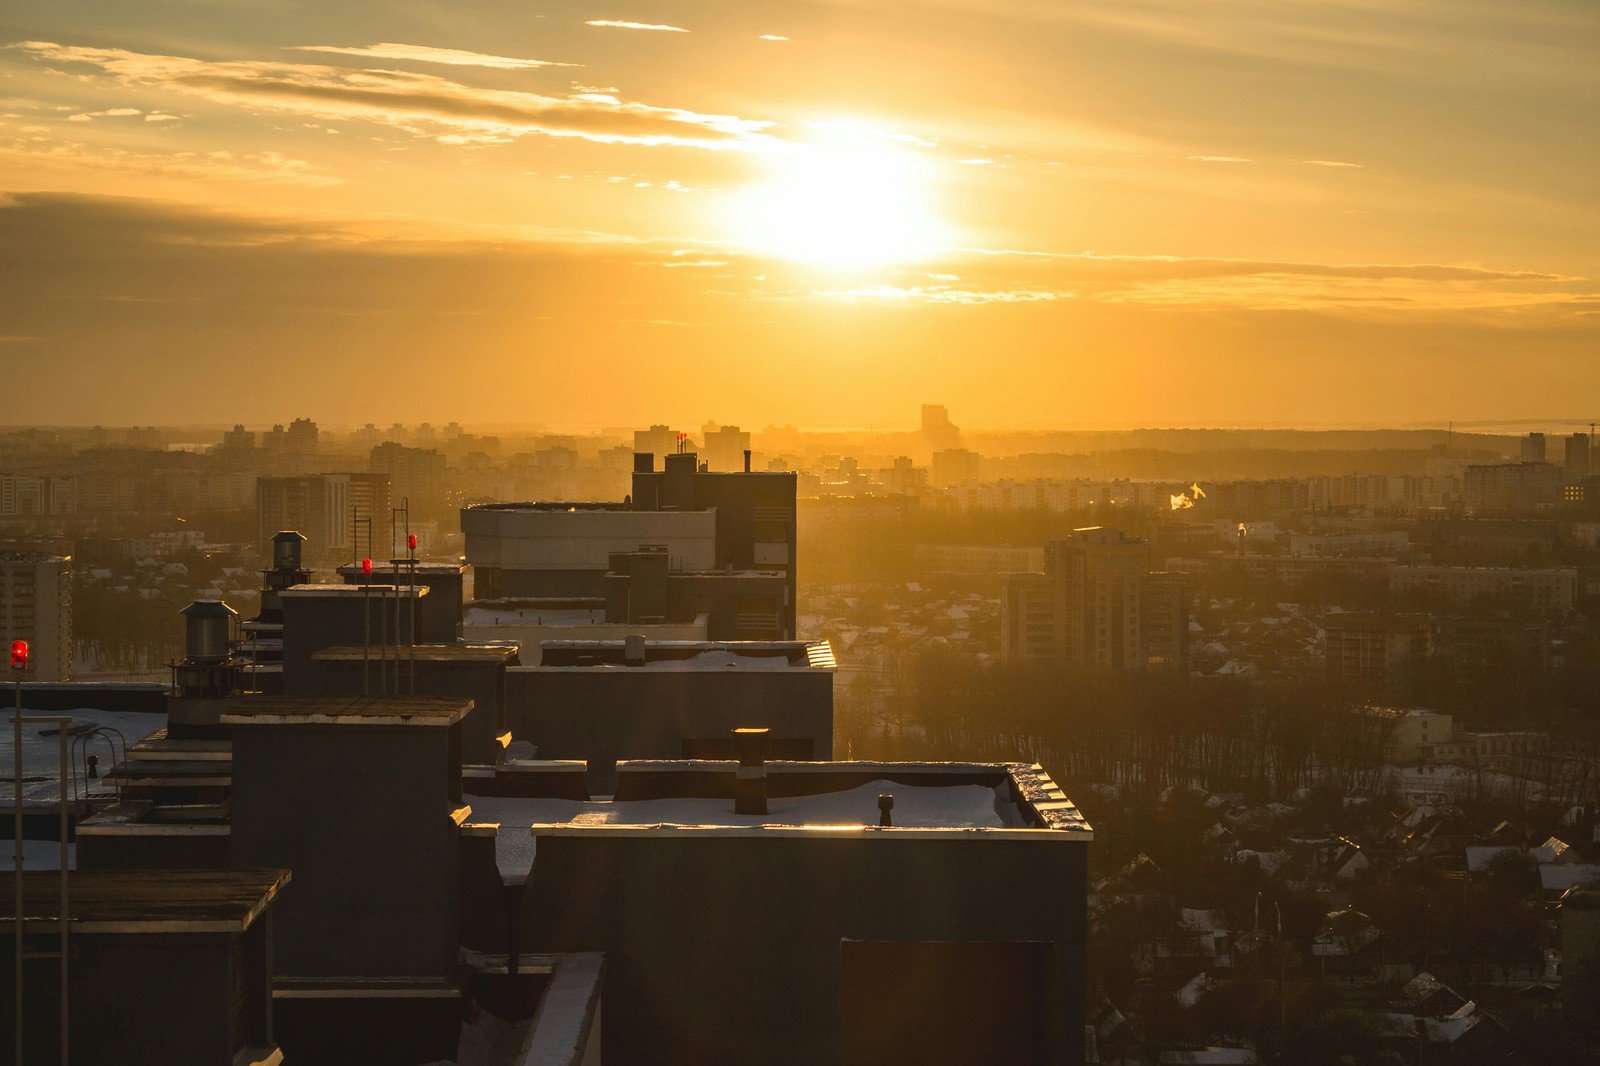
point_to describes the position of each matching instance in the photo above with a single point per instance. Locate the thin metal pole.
(16, 856)
(63, 914)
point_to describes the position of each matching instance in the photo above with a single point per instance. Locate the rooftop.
(679, 797)
(41, 749)
(354, 591)
(382, 568)
(426, 653)
(146, 901)
(689, 655)
(353, 710)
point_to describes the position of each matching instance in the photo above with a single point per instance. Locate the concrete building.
(415, 474)
(341, 515)
(564, 550)
(1366, 543)
(1371, 651)
(1548, 590)
(36, 606)
(1575, 461)
(805, 913)
(1533, 448)
(602, 701)
(978, 558)
(1087, 608)
(725, 447)
(954, 466)
(938, 432)
(165, 966)
(1524, 486)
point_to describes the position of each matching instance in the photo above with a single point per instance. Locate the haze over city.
(822, 533)
(1098, 213)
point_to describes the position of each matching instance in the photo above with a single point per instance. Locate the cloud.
(622, 24)
(981, 161)
(1330, 163)
(772, 37)
(406, 99)
(110, 112)
(421, 53)
(271, 167)
(1220, 159)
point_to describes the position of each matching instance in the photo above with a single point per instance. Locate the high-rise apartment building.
(1533, 449)
(1511, 486)
(1097, 605)
(415, 474)
(326, 508)
(724, 447)
(1576, 459)
(938, 432)
(302, 437)
(36, 606)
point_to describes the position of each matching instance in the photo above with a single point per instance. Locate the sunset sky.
(1039, 212)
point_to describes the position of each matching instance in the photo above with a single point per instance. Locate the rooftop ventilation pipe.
(633, 650)
(750, 786)
(886, 809)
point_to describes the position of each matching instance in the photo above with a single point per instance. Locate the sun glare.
(849, 196)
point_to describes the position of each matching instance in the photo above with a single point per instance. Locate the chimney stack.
(750, 787)
(886, 809)
(747, 460)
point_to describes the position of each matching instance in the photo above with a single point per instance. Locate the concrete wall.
(719, 944)
(439, 612)
(481, 682)
(323, 618)
(360, 813)
(606, 714)
(142, 999)
(527, 539)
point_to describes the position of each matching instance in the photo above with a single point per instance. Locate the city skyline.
(1099, 214)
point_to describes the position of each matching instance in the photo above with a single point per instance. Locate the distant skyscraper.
(36, 606)
(658, 441)
(938, 432)
(1577, 457)
(1533, 448)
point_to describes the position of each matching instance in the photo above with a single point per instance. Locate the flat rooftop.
(689, 655)
(352, 710)
(422, 653)
(41, 750)
(365, 588)
(681, 797)
(382, 568)
(144, 901)
(551, 505)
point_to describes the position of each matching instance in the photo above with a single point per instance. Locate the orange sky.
(1041, 213)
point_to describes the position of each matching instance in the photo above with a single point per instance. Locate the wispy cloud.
(271, 167)
(407, 99)
(110, 112)
(1220, 159)
(623, 24)
(1329, 163)
(421, 53)
(772, 37)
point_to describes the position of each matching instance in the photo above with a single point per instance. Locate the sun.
(848, 196)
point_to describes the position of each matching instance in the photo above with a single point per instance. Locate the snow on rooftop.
(915, 807)
(41, 753)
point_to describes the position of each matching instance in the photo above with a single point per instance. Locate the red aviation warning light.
(411, 541)
(366, 567)
(19, 655)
